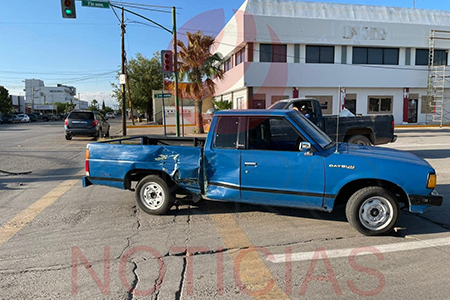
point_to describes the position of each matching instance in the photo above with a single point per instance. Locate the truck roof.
(253, 112)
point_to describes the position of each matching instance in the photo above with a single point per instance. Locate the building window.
(275, 99)
(320, 54)
(272, 53)
(239, 56)
(380, 104)
(350, 103)
(326, 102)
(227, 65)
(422, 57)
(375, 56)
(425, 107)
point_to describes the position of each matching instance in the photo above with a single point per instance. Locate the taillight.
(87, 162)
(66, 122)
(392, 125)
(94, 123)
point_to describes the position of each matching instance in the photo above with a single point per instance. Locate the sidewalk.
(142, 128)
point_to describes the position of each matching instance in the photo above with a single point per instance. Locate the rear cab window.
(226, 136)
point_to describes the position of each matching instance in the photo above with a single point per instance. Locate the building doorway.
(413, 105)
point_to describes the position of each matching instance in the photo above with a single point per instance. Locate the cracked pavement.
(95, 243)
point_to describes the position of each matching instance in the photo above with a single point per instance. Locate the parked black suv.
(86, 123)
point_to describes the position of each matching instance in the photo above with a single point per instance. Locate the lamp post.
(33, 92)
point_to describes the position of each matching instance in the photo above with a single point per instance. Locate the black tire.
(68, 137)
(372, 211)
(359, 140)
(153, 195)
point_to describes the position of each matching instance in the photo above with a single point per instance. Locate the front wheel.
(153, 195)
(372, 211)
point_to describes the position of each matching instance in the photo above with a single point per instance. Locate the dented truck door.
(222, 159)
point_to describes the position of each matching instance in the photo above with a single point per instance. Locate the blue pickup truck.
(267, 157)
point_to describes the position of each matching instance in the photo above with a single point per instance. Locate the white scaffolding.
(438, 96)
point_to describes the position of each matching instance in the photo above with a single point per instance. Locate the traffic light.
(68, 9)
(167, 61)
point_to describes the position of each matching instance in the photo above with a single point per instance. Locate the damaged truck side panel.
(180, 163)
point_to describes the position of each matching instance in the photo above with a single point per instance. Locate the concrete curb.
(156, 126)
(422, 126)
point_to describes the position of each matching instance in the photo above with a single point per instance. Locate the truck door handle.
(250, 164)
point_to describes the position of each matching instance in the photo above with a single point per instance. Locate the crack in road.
(179, 293)
(134, 283)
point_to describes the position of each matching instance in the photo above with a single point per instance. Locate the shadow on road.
(432, 153)
(9, 182)
(408, 223)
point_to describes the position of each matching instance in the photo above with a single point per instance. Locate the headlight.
(431, 181)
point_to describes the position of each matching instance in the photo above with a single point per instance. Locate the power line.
(144, 5)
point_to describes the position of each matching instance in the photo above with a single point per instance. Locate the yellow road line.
(253, 272)
(14, 225)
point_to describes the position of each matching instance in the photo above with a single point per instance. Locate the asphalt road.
(59, 240)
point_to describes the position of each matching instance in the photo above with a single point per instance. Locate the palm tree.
(198, 67)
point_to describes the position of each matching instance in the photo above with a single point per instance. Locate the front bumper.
(420, 203)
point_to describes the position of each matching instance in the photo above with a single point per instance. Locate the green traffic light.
(68, 11)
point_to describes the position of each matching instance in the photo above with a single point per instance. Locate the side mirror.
(305, 147)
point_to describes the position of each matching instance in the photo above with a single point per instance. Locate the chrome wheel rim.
(376, 213)
(152, 195)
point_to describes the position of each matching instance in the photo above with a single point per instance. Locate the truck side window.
(275, 134)
(226, 134)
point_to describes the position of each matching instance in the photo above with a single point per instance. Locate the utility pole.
(175, 69)
(124, 107)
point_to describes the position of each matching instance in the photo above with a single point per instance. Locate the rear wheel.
(372, 211)
(153, 195)
(68, 137)
(359, 140)
(99, 134)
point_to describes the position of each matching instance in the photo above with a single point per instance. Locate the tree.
(103, 105)
(222, 104)
(5, 102)
(63, 107)
(94, 103)
(144, 76)
(198, 67)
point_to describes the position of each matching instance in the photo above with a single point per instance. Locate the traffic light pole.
(124, 107)
(175, 69)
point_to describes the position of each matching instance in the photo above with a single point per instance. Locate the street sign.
(161, 95)
(99, 4)
(122, 79)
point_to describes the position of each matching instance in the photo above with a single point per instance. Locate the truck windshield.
(313, 131)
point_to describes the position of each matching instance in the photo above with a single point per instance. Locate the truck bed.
(158, 140)
(119, 162)
(378, 127)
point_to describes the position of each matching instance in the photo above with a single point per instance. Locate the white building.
(18, 103)
(281, 49)
(39, 97)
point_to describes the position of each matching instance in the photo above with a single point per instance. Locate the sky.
(86, 52)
